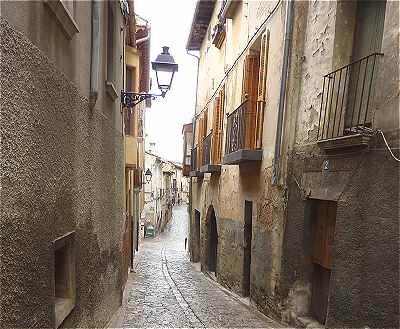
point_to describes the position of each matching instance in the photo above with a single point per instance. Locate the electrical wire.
(387, 145)
(240, 55)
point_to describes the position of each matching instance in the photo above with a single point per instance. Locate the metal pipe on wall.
(282, 93)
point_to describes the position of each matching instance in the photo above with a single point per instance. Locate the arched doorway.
(212, 240)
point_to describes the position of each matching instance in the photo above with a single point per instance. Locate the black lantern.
(165, 68)
(148, 175)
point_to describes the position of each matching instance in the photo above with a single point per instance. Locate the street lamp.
(148, 175)
(165, 68)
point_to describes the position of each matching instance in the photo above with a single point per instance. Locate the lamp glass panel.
(164, 79)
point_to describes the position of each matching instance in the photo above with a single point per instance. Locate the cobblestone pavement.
(167, 291)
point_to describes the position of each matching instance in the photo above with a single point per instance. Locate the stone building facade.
(137, 79)
(62, 163)
(286, 210)
(167, 188)
(340, 245)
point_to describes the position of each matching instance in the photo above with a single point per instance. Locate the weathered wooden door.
(247, 232)
(323, 221)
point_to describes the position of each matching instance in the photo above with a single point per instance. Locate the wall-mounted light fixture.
(165, 68)
(148, 175)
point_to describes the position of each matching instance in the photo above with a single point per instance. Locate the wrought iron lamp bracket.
(131, 99)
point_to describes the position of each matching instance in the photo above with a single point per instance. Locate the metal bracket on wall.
(131, 99)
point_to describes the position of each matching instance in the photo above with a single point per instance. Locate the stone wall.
(61, 171)
(364, 285)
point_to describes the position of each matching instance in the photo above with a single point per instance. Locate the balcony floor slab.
(196, 173)
(242, 156)
(210, 168)
(349, 141)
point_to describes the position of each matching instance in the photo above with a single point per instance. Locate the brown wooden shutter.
(324, 235)
(249, 93)
(220, 124)
(261, 90)
(199, 141)
(215, 130)
(205, 122)
(196, 132)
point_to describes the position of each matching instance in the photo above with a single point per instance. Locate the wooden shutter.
(249, 94)
(196, 131)
(261, 90)
(324, 233)
(205, 123)
(202, 128)
(215, 129)
(220, 124)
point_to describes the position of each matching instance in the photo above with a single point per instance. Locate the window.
(370, 18)
(129, 122)
(201, 132)
(130, 79)
(254, 90)
(64, 277)
(64, 12)
(217, 126)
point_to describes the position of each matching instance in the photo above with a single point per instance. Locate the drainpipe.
(190, 244)
(95, 54)
(281, 109)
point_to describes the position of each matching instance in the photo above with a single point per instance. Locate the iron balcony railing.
(345, 99)
(236, 130)
(207, 149)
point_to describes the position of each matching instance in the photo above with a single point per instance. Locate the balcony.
(208, 164)
(187, 132)
(345, 118)
(241, 135)
(186, 168)
(195, 163)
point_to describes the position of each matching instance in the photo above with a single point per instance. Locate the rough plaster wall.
(385, 96)
(317, 62)
(365, 277)
(267, 243)
(62, 170)
(34, 19)
(228, 191)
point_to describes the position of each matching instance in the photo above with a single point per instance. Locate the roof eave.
(203, 10)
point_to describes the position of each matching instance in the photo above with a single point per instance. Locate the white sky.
(170, 22)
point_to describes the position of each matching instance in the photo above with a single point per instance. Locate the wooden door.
(323, 221)
(247, 232)
(324, 233)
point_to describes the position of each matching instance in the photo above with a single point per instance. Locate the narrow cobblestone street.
(166, 290)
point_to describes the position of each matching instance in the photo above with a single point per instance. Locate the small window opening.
(64, 277)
